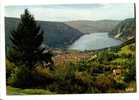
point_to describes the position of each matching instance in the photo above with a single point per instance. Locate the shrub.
(132, 47)
(83, 77)
(97, 68)
(60, 79)
(9, 68)
(79, 82)
(105, 56)
(71, 69)
(20, 77)
(84, 65)
(103, 83)
(119, 85)
(130, 74)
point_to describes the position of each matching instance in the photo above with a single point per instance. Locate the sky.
(71, 12)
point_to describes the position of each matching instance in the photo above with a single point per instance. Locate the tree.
(27, 39)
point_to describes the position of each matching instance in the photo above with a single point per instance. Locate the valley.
(63, 34)
(98, 62)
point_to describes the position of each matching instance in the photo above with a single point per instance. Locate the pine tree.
(27, 39)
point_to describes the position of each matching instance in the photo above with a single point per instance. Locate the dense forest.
(63, 71)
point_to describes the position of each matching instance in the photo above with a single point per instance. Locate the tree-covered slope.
(125, 30)
(56, 34)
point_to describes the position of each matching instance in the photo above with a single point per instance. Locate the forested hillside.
(63, 34)
(125, 30)
(56, 34)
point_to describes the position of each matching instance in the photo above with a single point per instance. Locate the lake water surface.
(94, 41)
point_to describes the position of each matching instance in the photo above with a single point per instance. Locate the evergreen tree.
(27, 39)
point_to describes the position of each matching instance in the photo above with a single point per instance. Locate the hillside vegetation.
(32, 70)
(56, 34)
(105, 71)
(63, 34)
(125, 30)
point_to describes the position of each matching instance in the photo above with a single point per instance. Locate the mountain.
(125, 30)
(63, 34)
(87, 26)
(56, 34)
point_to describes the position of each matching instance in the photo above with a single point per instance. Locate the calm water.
(94, 41)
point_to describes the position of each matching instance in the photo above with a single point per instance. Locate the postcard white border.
(114, 96)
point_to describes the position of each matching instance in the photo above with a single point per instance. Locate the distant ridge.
(56, 34)
(125, 30)
(88, 26)
(63, 34)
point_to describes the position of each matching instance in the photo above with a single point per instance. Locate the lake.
(94, 41)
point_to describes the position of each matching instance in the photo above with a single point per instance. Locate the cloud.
(74, 12)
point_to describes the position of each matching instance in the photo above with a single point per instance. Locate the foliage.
(125, 29)
(26, 52)
(9, 68)
(84, 65)
(27, 39)
(103, 83)
(51, 32)
(20, 77)
(119, 85)
(106, 56)
(130, 74)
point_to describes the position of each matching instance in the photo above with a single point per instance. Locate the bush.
(99, 68)
(103, 83)
(79, 82)
(66, 79)
(9, 68)
(14, 56)
(20, 77)
(132, 47)
(130, 74)
(83, 77)
(105, 56)
(84, 65)
(119, 85)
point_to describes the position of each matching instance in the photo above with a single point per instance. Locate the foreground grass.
(18, 91)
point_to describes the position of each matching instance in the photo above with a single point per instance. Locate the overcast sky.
(74, 12)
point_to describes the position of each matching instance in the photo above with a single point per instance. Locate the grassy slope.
(86, 66)
(87, 26)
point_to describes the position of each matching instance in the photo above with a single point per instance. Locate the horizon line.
(75, 20)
